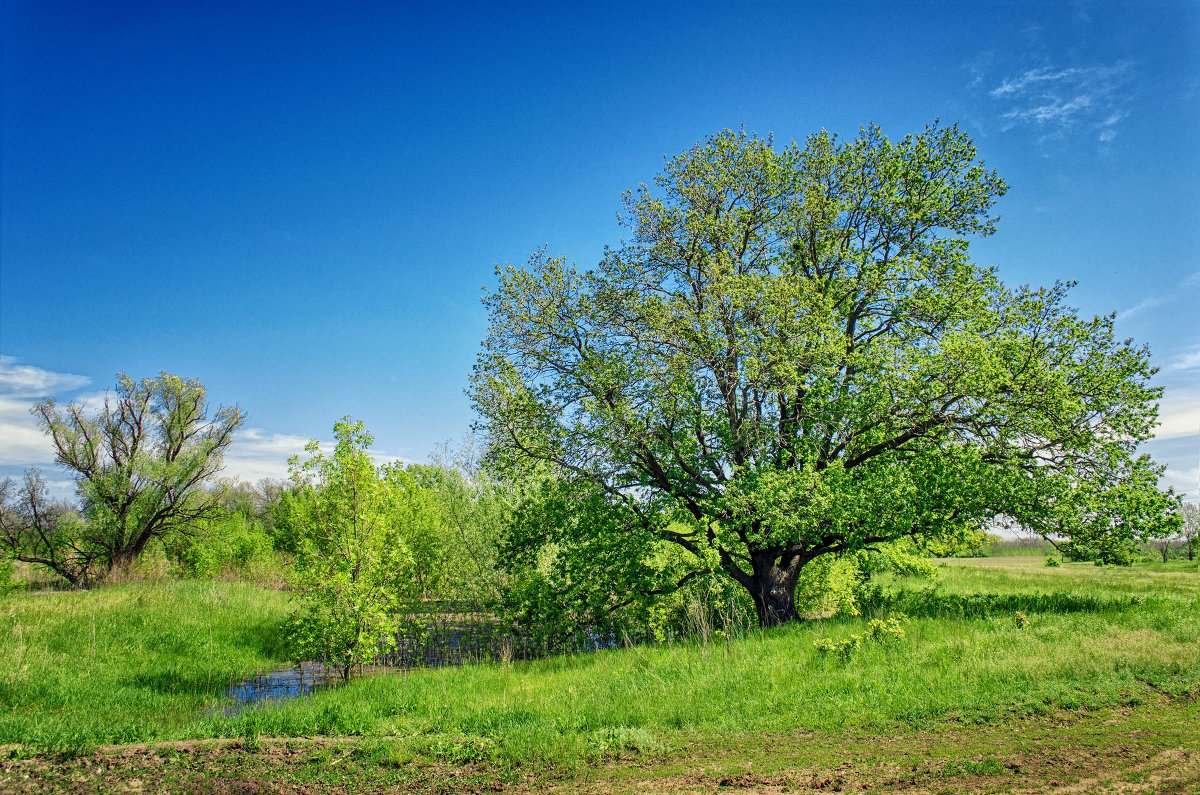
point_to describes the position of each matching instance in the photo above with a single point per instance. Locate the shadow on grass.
(932, 603)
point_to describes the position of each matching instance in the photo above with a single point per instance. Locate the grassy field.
(1049, 663)
(129, 663)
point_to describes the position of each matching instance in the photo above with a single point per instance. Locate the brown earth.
(1152, 748)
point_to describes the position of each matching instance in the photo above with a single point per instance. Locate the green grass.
(127, 663)
(1095, 638)
(1018, 547)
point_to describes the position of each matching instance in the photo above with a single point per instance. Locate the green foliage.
(473, 509)
(841, 647)
(140, 468)
(225, 545)
(794, 356)
(354, 565)
(880, 632)
(8, 582)
(1107, 551)
(568, 578)
(885, 631)
(830, 585)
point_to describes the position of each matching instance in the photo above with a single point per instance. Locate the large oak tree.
(795, 353)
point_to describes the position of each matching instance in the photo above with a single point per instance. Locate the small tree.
(141, 465)
(353, 566)
(1190, 528)
(36, 529)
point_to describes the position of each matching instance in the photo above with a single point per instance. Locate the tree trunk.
(772, 586)
(124, 556)
(119, 565)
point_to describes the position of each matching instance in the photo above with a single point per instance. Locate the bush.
(879, 631)
(231, 544)
(8, 583)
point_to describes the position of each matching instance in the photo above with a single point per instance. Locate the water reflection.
(280, 685)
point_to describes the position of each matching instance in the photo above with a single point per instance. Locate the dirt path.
(1153, 748)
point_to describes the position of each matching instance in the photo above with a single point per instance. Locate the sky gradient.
(299, 204)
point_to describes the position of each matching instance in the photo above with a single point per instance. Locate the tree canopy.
(794, 356)
(140, 464)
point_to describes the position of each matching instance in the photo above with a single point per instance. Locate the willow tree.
(140, 464)
(795, 353)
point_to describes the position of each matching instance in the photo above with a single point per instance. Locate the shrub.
(879, 631)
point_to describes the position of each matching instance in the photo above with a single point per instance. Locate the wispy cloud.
(1141, 306)
(1056, 101)
(1188, 360)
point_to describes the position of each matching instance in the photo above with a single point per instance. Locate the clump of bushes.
(228, 546)
(881, 632)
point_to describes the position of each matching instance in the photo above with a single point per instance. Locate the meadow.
(995, 644)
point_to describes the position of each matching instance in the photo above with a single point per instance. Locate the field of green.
(991, 643)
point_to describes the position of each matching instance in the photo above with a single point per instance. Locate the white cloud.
(255, 455)
(34, 382)
(1143, 305)
(1039, 78)
(1188, 360)
(24, 443)
(22, 385)
(1178, 414)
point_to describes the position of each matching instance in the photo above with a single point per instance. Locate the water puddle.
(279, 685)
(451, 643)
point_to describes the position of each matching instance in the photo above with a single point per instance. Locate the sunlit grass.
(159, 657)
(127, 663)
(1092, 639)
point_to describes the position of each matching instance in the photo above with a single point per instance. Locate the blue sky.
(299, 203)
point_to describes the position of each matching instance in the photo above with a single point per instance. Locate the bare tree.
(1164, 545)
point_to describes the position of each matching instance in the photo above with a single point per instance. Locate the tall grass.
(1085, 636)
(128, 663)
(1082, 640)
